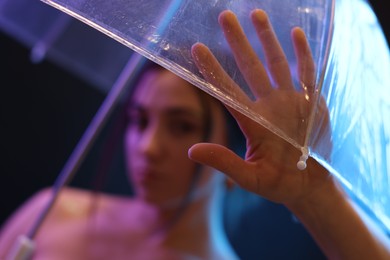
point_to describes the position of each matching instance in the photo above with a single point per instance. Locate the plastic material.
(349, 48)
(352, 64)
(64, 41)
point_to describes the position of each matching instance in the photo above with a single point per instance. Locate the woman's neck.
(196, 229)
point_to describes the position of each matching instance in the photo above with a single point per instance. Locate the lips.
(144, 175)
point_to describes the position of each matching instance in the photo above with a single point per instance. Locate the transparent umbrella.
(55, 36)
(349, 49)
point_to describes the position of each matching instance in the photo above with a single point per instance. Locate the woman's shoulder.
(26, 211)
(80, 203)
(22, 220)
(72, 205)
(26, 214)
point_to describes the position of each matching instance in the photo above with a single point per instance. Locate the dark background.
(44, 110)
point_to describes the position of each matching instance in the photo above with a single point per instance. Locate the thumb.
(222, 159)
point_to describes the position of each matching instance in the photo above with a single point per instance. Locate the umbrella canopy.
(352, 64)
(67, 42)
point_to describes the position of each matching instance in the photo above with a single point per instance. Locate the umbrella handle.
(22, 249)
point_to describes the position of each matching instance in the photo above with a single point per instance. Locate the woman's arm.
(269, 168)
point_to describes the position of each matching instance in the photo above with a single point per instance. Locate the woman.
(176, 211)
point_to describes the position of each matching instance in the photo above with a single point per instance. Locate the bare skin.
(269, 168)
(165, 119)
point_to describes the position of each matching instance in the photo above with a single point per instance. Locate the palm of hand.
(269, 168)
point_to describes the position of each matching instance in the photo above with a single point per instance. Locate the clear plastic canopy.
(59, 38)
(349, 49)
(352, 72)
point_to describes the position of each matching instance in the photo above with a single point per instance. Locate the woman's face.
(166, 118)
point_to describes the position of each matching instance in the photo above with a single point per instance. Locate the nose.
(151, 141)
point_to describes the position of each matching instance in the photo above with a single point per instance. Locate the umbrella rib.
(128, 74)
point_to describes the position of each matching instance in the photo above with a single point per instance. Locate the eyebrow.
(171, 111)
(179, 111)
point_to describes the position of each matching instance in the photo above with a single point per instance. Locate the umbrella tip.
(301, 164)
(38, 53)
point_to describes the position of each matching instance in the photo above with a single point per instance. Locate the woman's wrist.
(323, 194)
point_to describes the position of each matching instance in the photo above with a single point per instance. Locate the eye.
(137, 119)
(183, 127)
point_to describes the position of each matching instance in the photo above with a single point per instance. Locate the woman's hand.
(269, 168)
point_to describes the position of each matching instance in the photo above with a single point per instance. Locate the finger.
(213, 73)
(306, 66)
(225, 161)
(246, 59)
(275, 58)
